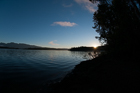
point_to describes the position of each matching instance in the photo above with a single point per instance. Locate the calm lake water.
(27, 71)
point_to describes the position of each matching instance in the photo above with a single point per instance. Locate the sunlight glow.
(95, 46)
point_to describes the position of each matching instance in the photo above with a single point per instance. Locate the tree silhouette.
(118, 24)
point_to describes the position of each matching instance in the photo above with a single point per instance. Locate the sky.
(48, 23)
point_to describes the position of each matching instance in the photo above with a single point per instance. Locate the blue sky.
(48, 23)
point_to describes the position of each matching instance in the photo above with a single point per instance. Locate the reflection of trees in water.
(85, 55)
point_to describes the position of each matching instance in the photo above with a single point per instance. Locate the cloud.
(70, 5)
(52, 43)
(87, 5)
(64, 24)
(81, 1)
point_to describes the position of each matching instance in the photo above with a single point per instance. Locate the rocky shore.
(102, 74)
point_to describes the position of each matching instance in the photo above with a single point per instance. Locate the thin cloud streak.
(52, 43)
(87, 5)
(69, 24)
(90, 8)
(70, 5)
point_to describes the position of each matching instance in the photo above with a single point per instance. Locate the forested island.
(84, 48)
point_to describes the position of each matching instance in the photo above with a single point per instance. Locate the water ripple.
(32, 68)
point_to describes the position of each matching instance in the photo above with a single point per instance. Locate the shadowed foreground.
(102, 74)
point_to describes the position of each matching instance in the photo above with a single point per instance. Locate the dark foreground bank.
(102, 74)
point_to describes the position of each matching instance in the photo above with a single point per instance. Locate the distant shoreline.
(44, 49)
(32, 48)
(8, 48)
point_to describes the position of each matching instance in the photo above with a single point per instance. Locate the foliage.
(118, 24)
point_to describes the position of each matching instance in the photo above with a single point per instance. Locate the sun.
(95, 46)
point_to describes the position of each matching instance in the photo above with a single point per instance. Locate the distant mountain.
(13, 45)
(17, 45)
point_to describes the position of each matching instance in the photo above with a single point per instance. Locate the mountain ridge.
(13, 45)
(18, 45)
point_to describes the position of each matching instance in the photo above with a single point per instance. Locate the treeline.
(118, 25)
(84, 48)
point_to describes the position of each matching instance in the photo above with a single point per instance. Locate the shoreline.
(104, 73)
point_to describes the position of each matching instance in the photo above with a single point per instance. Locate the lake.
(27, 71)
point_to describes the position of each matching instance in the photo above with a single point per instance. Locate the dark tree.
(118, 24)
